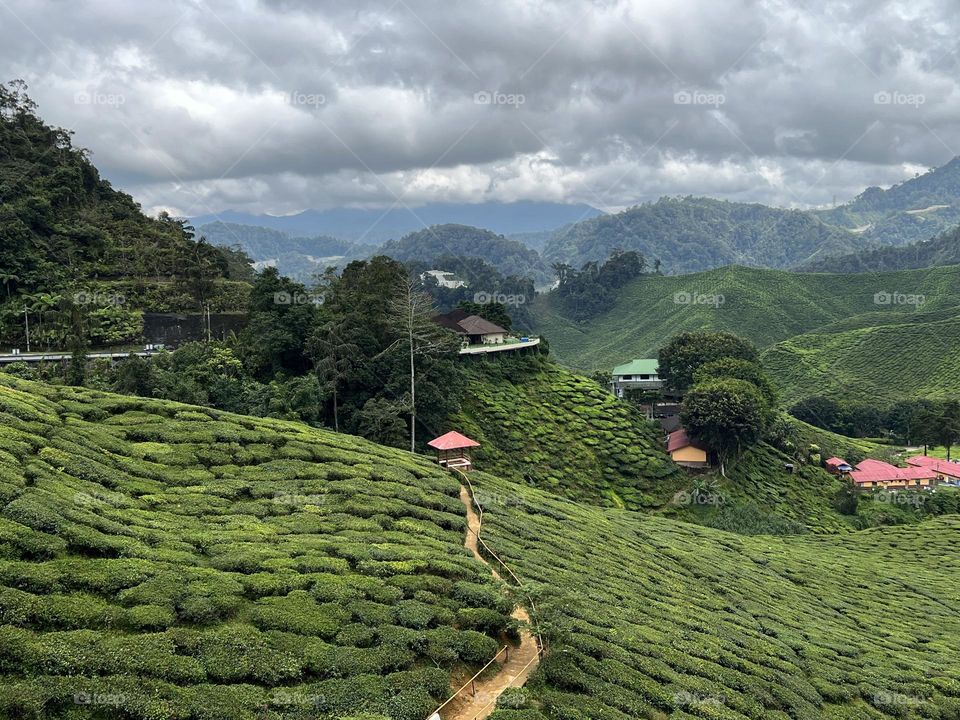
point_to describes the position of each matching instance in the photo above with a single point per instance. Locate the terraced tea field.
(652, 618)
(765, 306)
(162, 561)
(540, 424)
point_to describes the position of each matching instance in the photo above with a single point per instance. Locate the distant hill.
(694, 233)
(376, 226)
(296, 257)
(942, 250)
(866, 342)
(508, 256)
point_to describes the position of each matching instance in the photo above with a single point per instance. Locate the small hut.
(453, 450)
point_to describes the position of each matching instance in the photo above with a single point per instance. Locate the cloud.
(280, 105)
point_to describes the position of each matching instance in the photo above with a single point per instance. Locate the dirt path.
(522, 660)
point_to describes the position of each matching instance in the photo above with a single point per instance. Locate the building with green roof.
(638, 374)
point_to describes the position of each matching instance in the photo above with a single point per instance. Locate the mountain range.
(376, 226)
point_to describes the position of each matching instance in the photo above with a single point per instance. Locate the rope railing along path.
(468, 497)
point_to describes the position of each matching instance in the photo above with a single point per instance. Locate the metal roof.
(637, 367)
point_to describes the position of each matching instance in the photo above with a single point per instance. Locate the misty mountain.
(377, 226)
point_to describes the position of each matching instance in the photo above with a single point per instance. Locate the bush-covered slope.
(540, 424)
(164, 561)
(876, 363)
(651, 618)
(765, 306)
(695, 233)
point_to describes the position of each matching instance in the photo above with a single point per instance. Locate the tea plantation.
(543, 425)
(765, 306)
(651, 618)
(164, 561)
(881, 359)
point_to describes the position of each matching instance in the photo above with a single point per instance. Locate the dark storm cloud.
(280, 105)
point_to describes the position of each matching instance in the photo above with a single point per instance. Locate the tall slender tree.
(410, 314)
(334, 357)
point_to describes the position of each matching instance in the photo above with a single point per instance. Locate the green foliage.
(174, 561)
(726, 414)
(540, 424)
(693, 233)
(648, 617)
(685, 354)
(508, 256)
(66, 233)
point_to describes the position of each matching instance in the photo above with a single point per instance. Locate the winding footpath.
(478, 700)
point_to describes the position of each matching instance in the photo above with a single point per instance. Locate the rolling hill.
(651, 618)
(380, 225)
(296, 257)
(942, 250)
(164, 561)
(508, 256)
(691, 234)
(766, 306)
(159, 561)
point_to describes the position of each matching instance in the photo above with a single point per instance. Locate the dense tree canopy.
(687, 352)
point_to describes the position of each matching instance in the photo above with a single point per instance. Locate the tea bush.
(162, 561)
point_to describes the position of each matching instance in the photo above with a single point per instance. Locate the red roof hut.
(453, 450)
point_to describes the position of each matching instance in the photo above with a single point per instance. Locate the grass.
(164, 561)
(648, 617)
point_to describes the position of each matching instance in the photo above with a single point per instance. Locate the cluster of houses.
(642, 374)
(921, 473)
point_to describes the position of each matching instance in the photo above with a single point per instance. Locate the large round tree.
(725, 415)
(687, 352)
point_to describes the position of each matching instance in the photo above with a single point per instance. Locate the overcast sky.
(280, 105)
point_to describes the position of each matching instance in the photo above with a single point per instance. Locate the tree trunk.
(413, 393)
(336, 420)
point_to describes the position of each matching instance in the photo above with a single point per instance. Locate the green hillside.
(765, 306)
(942, 250)
(878, 363)
(914, 210)
(695, 233)
(164, 561)
(650, 618)
(80, 256)
(508, 256)
(561, 432)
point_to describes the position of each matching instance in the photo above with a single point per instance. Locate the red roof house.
(453, 450)
(685, 451)
(878, 474)
(946, 470)
(838, 466)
